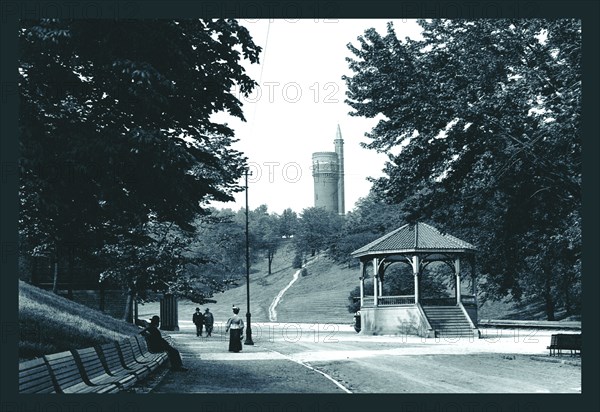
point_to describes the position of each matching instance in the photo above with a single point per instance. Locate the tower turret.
(339, 150)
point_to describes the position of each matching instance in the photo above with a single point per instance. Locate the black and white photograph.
(314, 205)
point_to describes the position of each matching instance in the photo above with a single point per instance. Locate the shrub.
(297, 263)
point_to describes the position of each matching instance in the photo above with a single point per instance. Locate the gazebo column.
(415, 266)
(375, 282)
(379, 279)
(457, 271)
(362, 283)
(473, 282)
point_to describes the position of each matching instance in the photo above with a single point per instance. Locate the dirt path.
(489, 373)
(257, 369)
(308, 358)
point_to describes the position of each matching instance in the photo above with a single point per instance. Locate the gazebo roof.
(419, 237)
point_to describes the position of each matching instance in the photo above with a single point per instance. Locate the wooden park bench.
(94, 372)
(34, 377)
(68, 378)
(142, 354)
(130, 361)
(112, 361)
(108, 368)
(564, 341)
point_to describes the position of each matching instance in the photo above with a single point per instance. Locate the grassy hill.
(50, 323)
(321, 296)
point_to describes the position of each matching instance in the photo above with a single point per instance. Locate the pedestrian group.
(203, 321)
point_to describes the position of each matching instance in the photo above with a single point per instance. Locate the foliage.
(481, 123)
(266, 231)
(370, 219)
(288, 223)
(297, 263)
(317, 230)
(117, 136)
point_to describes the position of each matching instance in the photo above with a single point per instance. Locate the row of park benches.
(565, 341)
(108, 368)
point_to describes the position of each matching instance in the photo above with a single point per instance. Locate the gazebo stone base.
(395, 320)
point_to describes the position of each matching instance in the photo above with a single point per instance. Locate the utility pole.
(248, 340)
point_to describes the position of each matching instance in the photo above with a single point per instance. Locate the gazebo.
(418, 245)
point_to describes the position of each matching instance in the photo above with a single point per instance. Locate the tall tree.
(265, 228)
(371, 218)
(288, 223)
(317, 230)
(484, 117)
(116, 128)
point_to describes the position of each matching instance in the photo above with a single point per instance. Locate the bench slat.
(35, 377)
(68, 375)
(110, 358)
(94, 371)
(128, 360)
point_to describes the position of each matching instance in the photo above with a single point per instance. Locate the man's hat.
(155, 318)
(197, 308)
(206, 310)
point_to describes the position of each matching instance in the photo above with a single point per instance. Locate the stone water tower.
(328, 174)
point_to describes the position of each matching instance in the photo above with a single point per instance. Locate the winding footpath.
(273, 305)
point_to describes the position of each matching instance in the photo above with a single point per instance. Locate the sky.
(298, 107)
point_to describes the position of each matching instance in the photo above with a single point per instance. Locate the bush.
(304, 272)
(297, 263)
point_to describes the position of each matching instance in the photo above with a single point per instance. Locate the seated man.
(156, 343)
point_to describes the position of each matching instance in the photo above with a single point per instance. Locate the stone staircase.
(448, 321)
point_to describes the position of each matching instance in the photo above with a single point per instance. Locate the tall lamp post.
(248, 340)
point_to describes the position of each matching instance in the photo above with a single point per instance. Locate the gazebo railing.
(389, 300)
(396, 300)
(468, 300)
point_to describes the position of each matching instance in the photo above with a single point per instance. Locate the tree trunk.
(55, 278)
(567, 298)
(70, 271)
(35, 277)
(102, 297)
(270, 259)
(128, 315)
(548, 296)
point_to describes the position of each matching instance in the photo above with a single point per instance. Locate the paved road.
(311, 358)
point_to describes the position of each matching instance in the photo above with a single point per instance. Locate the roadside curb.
(572, 362)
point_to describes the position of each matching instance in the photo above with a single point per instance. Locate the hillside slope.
(321, 296)
(49, 323)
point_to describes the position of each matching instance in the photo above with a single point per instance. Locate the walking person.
(209, 321)
(235, 327)
(156, 343)
(198, 320)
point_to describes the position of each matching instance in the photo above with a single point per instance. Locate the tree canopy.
(116, 127)
(481, 121)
